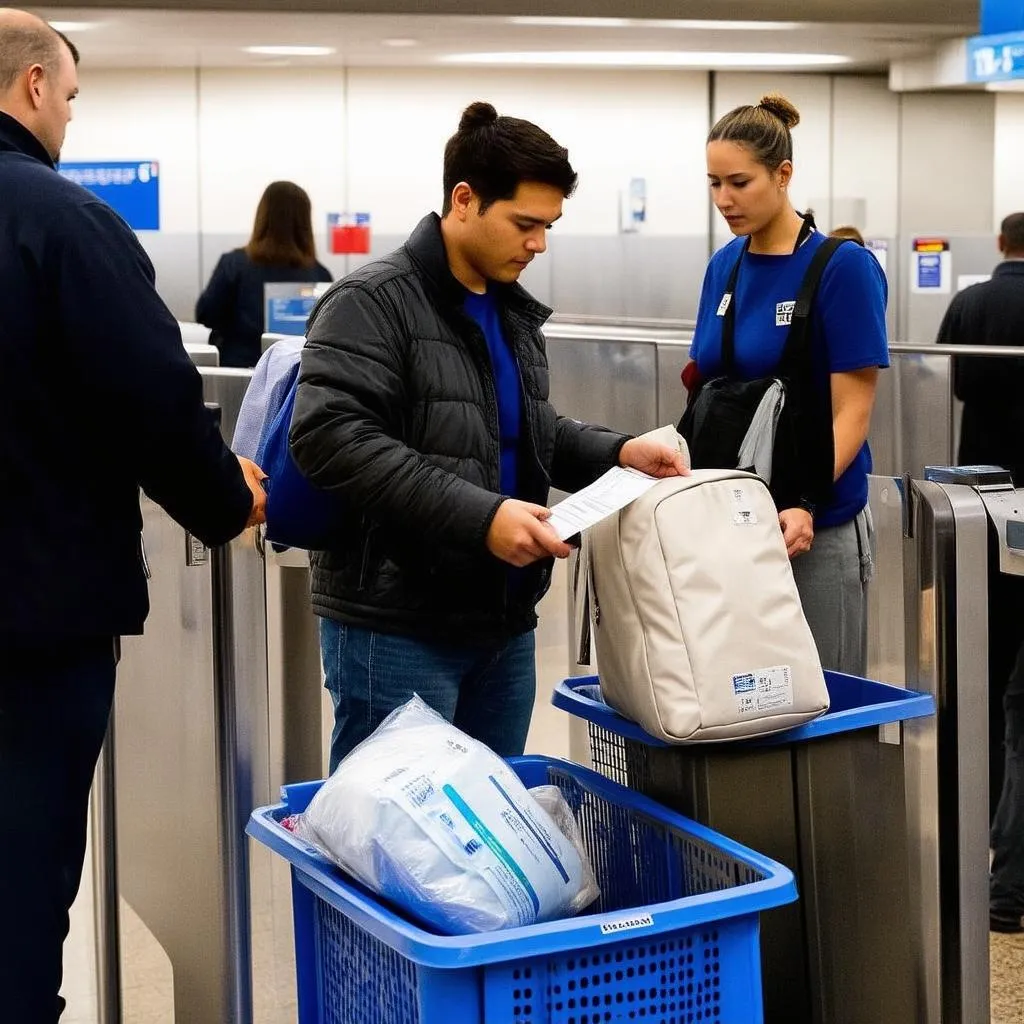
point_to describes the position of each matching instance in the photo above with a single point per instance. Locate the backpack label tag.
(766, 689)
(743, 513)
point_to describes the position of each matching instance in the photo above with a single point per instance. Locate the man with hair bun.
(423, 406)
(750, 288)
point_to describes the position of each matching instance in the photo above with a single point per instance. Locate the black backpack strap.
(811, 406)
(796, 346)
(729, 316)
(729, 313)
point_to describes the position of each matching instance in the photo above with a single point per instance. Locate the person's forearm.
(853, 397)
(850, 429)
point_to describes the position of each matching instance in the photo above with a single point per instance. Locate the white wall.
(255, 127)
(372, 139)
(946, 162)
(129, 115)
(1008, 161)
(866, 152)
(615, 125)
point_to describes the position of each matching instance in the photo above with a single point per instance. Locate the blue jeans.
(1006, 890)
(55, 698)
(486, 691)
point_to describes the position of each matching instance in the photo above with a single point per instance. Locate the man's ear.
(463, 199)
(36, 76)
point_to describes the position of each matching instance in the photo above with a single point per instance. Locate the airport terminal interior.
(911, 130)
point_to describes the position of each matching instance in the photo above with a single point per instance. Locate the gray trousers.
(832, 579)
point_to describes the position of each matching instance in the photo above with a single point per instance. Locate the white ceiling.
(157, 38)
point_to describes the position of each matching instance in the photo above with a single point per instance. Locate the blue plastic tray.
(675, 935)
(855, 703)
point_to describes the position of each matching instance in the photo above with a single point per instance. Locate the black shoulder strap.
(799, 328)
(811, 481)
(729, 298)
(729, 316)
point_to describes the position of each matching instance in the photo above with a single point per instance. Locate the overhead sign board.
(995, 58)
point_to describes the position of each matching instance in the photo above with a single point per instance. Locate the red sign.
(350, 238)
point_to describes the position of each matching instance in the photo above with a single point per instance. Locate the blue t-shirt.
(847, 330)
(484, 310)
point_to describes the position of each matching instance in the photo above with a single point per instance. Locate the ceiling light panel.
(688, 24)
(73, 26)
(650, 59)
(291, 51)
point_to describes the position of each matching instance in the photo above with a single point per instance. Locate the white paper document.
(611, 492)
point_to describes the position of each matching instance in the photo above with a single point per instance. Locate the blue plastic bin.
(674, 938)
(854, 703)
(828, 800)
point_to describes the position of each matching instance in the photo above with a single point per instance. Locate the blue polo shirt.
(484, 310)
(847, 331)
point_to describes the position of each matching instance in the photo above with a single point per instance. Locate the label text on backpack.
(766, 689)
(743, 513)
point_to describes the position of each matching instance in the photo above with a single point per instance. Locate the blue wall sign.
(131, 187)
(995, 58)
(929, 270)
(999, 16)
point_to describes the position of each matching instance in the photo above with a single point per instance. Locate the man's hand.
(653, 458)
(253, 475)
(797, 530)
(519, 535)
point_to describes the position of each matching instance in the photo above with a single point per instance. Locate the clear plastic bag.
(558, 810)
(438, 824)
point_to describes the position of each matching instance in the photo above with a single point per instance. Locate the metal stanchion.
(105, 889)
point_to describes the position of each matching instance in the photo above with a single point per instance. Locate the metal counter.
(192, 750)
(217, 704)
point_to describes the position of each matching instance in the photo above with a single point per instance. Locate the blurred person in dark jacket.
(992, 390)
(97, 399)
(992, 432)
(280, 250)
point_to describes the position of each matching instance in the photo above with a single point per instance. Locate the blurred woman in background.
(281, 249)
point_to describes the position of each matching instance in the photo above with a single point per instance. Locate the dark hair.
(1012, 230)
(494, 155)
(283, 231)
(72, 49)
(765, 129)
(847, 231)
(23, 45)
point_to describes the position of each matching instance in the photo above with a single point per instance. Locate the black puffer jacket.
(397, 414)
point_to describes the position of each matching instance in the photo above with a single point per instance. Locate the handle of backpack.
(582, 591)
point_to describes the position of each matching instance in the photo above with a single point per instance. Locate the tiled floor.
(1007, 979)
(147, 981)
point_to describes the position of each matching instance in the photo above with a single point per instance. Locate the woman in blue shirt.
(750, 166)
(280, 250)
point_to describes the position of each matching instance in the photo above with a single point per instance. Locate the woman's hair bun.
(477, 115)
(778, 105)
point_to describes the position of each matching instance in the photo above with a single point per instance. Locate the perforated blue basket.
(674, 938)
